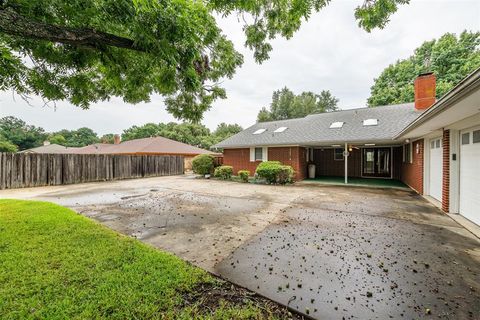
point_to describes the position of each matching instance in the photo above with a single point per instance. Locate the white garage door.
(470, 174)
(436, 164)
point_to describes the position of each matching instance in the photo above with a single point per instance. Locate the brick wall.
(446, 171)
(412, 173)
(239, 159)
(326, 165)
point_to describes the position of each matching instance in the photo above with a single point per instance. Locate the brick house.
(429, 145)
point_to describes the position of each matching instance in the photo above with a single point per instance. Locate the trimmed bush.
(274, 172)
(244, 174)
(202, 164)
(223, 172)
(285, 175)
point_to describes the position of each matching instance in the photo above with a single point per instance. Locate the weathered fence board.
(22, 170)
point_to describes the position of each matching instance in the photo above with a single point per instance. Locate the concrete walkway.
(326, 251)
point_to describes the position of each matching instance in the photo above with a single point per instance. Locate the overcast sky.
(329, 52)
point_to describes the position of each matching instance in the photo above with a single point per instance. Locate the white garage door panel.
(470, 179)
(436, 164)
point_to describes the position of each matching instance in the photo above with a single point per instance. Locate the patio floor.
(369, 182)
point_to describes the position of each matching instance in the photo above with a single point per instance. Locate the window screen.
(437, 143)
(258, 154)
(476, 136)
(466, 138)
(338, 155)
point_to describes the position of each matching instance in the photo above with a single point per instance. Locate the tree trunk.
(15, 24)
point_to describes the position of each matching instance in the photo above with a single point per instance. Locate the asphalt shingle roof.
(315, 129)
(153, 145)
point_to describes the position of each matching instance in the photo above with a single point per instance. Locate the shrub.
(202, 164)
(224, 172)
(6, 146)
(274, 172)
(244, 174)
(285, 175)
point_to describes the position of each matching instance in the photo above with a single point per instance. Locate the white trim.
(264, 153)
(454, 168)
(252, 154)
(426, 163)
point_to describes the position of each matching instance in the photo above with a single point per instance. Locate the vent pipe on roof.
(425, 89)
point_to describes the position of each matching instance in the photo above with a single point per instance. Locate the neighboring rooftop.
(383, 123)
(49, 148)
(153, 145)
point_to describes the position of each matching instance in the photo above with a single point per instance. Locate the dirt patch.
(211, 295)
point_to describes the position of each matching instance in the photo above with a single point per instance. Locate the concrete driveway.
(329, 252)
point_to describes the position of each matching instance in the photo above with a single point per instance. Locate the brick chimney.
(116, 139)
(425, 86)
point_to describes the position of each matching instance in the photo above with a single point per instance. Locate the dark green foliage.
(451, 58)
(285, 175)
(286, 105)
(18, 133)
(274, 172)
(223, 172)
(57, 139)
(85, 51)
(244, 174)
(376, 14)
(77, 138)
(203, 164)
(107, 138)
(6, 146)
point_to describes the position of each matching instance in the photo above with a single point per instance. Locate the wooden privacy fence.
(20, 170)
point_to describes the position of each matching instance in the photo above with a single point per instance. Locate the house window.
(476, 136)
(466, 138)
(258, 154)
(260, 131)
(432, 144)
(281, 129)
(338, 154)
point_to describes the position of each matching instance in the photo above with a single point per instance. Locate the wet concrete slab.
(334, 265)
(330, 252)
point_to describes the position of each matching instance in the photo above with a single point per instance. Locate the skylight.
(281, 129)
(370, 122)
(335, 125)
(259, 131)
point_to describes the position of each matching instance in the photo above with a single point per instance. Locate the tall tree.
(451, 58)
(107, 138)
(223, 130)
(77, 138)
(18, 133)
(85, 51)
(286, 105)
(193, 134)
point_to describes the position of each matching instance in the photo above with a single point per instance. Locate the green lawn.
(56, 264)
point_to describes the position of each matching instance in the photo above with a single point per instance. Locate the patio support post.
(346, 162)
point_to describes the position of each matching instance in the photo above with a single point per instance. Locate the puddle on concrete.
(338, 266)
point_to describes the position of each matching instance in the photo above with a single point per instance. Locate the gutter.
(462, 89)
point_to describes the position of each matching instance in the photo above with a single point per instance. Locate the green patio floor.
(370, 182)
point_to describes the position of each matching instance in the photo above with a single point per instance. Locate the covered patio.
(356, 163)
